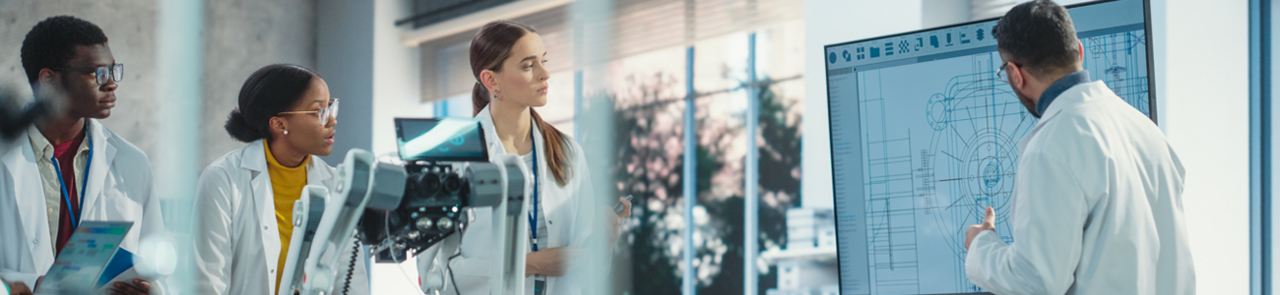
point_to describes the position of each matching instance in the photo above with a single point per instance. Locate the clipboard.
(91, 258)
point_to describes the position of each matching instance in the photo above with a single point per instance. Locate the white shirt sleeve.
(1048, 216)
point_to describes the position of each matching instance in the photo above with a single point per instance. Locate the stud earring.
(286, 132)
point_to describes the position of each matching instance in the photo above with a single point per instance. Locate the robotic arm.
(399, 213)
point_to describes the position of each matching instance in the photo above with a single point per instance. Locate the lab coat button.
(264, 227)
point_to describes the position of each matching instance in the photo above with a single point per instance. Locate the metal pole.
(751, 199)
(690, 177)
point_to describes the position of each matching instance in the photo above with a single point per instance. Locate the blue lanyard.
(75, 214)
(533, 212)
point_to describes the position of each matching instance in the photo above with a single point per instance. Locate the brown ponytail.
(491, 45)
(479, 98)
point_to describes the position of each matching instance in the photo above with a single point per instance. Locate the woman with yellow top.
(244, 206)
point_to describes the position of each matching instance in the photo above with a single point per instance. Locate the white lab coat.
(569, 213)
(237, 245)
(119, 189)
(1097, 206)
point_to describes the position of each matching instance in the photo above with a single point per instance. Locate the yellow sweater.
(286, 186)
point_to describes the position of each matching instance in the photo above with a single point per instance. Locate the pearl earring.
(286, 132)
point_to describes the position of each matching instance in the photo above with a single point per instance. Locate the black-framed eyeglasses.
(322, 114)
(102, 74)
(1001, 74)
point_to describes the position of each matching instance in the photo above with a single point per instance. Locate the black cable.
(351, 267)
(448, 263)
(450, 268)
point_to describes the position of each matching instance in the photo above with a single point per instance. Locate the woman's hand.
(552, 262)
(620, 217)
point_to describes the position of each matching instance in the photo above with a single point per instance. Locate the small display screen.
(441, 139)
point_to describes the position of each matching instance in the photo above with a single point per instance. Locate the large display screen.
(924, 136)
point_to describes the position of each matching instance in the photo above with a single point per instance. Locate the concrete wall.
(240, 37)
(130, 27)
(344, 55)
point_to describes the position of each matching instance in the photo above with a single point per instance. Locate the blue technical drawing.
(1120, 61)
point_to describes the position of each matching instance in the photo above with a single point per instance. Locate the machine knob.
(425, 223)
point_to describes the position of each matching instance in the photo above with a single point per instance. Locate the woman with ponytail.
(508, 64)
(244, 205)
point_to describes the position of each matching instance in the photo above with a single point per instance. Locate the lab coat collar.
(1057, 88)
(22, 161)
(495, 144)
(543, 177)
(1079, 94)
(104, 154)
(254, 159)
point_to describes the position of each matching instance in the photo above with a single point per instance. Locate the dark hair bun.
(240, 129)
(267, 92)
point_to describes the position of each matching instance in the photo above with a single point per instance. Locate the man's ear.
(46, 76)
(1080, 47)
(1017, 76)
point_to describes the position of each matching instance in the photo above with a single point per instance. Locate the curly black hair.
(1040, 36)
(52, 42)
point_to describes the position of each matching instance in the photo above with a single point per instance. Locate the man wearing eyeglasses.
(71, 168)
(1097, 200)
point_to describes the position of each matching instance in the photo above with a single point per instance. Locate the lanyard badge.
(533, 212)
(84, 183)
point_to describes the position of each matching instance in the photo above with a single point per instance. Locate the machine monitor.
(441, 140)
(924, 136)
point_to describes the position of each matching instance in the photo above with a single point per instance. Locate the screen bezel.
(1151, 91)
(399, 121)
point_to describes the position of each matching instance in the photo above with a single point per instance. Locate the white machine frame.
(323, 241)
